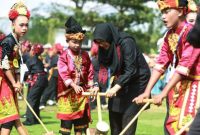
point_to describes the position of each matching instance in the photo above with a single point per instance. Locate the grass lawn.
(150, 122)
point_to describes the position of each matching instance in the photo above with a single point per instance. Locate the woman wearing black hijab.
(119, 56)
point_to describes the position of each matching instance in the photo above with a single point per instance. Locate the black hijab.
(108, 58)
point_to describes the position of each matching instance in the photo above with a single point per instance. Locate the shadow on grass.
(46, 117)
(51, 122)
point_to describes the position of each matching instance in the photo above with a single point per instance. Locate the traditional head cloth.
(164, 4)
(193, 36)
(37, 49)
(18, 9)
(26, 44)
(192, 7)
(74, 30)
(59, 48)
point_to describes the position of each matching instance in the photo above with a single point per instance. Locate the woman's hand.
(94, 92)
(112, 92)
(140, 98)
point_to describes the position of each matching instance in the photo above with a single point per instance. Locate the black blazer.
(134, 76)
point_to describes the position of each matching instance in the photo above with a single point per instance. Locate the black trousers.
(195, 127)
(33, 97)
(50, 92)
(8, 125)
(118, 121)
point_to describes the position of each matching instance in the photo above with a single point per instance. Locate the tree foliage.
(132, 16)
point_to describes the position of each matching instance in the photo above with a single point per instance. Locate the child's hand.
(78, 89)
(159, 98)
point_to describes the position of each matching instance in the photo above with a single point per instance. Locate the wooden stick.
(184, 127)
(99, 108)
(29, 106)
(134, 118)
(92, 94)
(147, 100)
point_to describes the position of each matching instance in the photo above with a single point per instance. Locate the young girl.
(9, 70)
(182, 91)
(75, 76)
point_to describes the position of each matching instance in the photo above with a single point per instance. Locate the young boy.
(182, 91)
(75, 76)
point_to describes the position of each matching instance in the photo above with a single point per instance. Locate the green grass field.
(150, 122)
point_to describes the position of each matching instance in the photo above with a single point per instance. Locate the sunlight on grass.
(150, 122)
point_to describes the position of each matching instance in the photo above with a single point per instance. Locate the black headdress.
(74, 30)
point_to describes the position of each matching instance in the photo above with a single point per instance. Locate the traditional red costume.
(74, 67)
(9, 60)
(183, 100)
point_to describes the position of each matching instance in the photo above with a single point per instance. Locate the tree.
(130, 16)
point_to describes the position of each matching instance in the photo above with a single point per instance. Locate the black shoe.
(27, 123)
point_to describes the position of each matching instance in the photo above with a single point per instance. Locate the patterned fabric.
(190, 4)
(188, 62)
(183, 102)
(76, 36)
(184, 98)
(18, 9)
(164, 4)
(8, 101)
(8, 107)
(71, 105)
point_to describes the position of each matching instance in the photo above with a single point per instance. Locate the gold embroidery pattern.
(78, 62)
(173, 111)
(162, 5)
(7, 107)
(174, 126)
(15, 63)
(72, 103)
(186, 85)
(186, 119)
(77, 36)
(173, 40)
(20, 8)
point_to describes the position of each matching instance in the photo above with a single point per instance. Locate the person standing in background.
(50, 93)
(37, 81)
